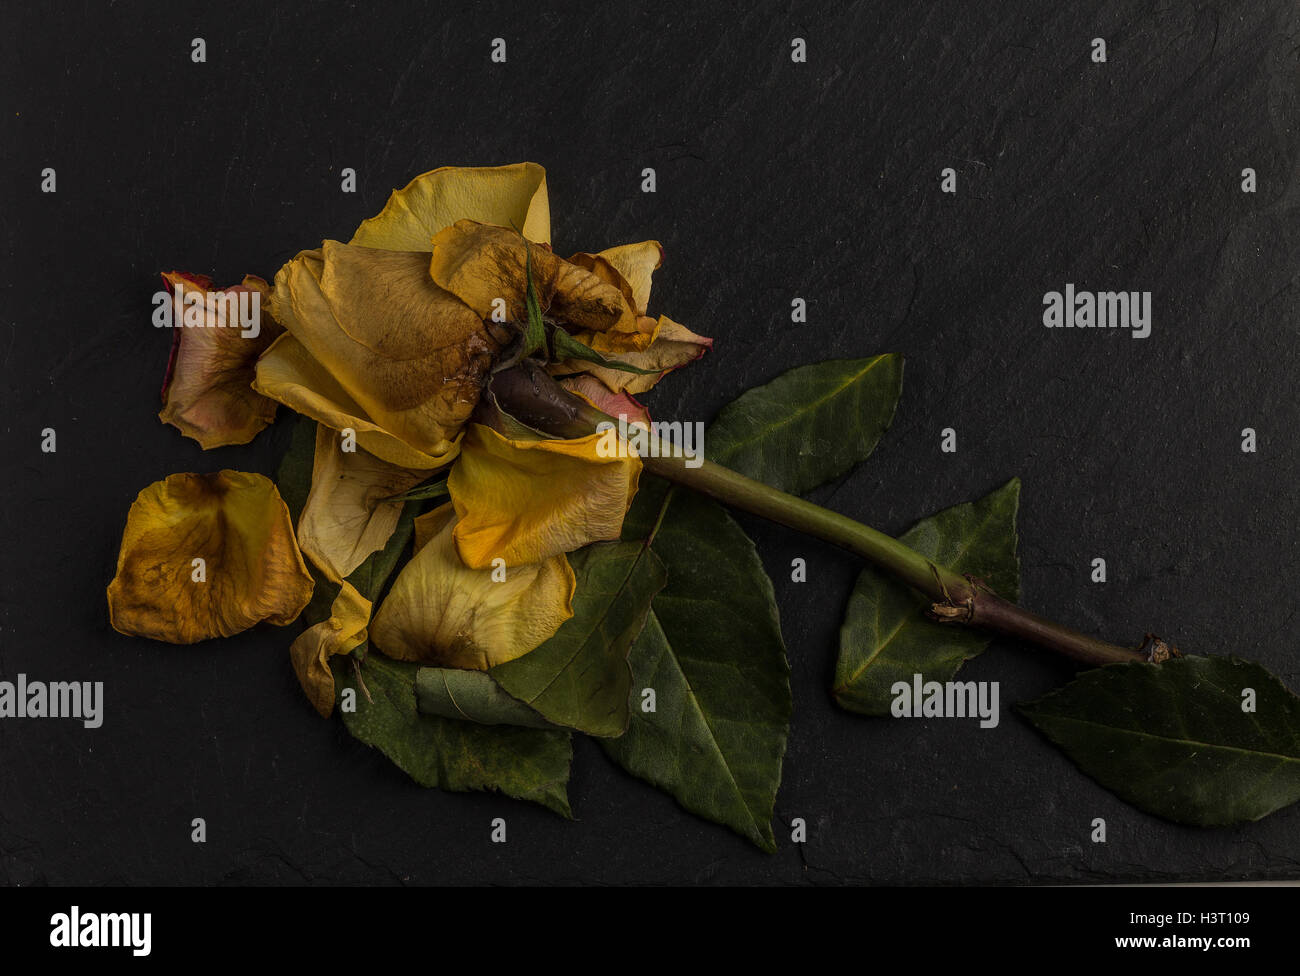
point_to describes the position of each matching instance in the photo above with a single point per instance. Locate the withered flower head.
(388, 342)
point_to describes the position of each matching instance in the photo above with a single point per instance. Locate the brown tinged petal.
(409, 358)
(441, 612)
(630, 266)
(342, 632)
(207, 555)
(481, 263)
(207, 393)
(673, 346)
(288, 373)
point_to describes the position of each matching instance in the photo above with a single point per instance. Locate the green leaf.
(712, 652)
(809, 425)
(1173, 739)
(370, 577)
(294, 481)
(530, 764)
(293, 476)
(422, 492)
(535, 333)
(472, 696)
(580, 677)
(886, 636)
(564, 346)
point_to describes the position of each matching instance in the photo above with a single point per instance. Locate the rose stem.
(528, 393)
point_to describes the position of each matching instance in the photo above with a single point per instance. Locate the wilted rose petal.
(482, 264)
(600, 396)
(510, 196)
(340, 633)
(207, 393)
(346, 517)
(207, 555)
(634, 265)
(526, 501)
(673, 346)
(441, 612)
(376, 341)
(288, 373)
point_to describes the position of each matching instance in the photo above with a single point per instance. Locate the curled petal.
(673, 346)
(347, 516)
(207, 555)
(343, 631)
(634, 265)
(615, 343)
(511, 196)
(599, 396)
(527, 501)
(288, 373)
(439, 611)
(482, 264)
(408, 354)
(216, 339)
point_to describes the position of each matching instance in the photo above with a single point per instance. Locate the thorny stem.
(526, 392)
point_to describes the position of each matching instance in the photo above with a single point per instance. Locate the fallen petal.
(208, 394)
(207, 555)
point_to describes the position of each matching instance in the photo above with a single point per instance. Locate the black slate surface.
(775, 180)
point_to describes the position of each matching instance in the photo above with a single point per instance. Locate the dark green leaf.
(886, 636)
(530, 764)
(471, 696)
(369, 578)
(809, 425)
(580, 677)
(293, 476)
(712, 652)
(1173, 739)
(564, 347)
(423, 492)
(535, 332)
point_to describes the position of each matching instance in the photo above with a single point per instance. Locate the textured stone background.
(776, 180)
